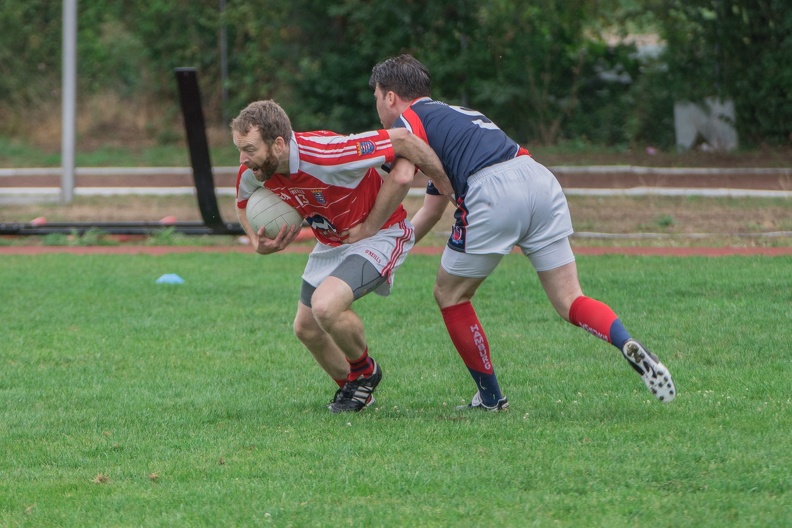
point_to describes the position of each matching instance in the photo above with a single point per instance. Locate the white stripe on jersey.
(329, 140)
(335, 172)
(345, 150)
(348, 175)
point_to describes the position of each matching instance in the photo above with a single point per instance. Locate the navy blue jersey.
(464, 140)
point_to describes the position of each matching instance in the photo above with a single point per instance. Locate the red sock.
(468, 336)
(593, 316)
(363, 366)
(340, 382)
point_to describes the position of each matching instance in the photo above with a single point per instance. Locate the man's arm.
(428, 215)
(395, 187)
(410, 146)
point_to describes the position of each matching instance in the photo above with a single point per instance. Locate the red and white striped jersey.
(333, 182)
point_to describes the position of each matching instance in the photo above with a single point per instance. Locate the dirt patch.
(647, 157)
(681, 215)
(598, 220)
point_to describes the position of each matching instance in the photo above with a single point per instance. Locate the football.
(266, 209)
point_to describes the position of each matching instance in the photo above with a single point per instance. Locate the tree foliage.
(541, 70)
(733, 49)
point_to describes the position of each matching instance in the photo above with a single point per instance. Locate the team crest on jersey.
(365, 147)
(457, 239)
(319, 196)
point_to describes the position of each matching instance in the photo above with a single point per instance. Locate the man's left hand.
(356, 233)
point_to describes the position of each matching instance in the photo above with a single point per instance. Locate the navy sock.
(618, 334)
(487, 386)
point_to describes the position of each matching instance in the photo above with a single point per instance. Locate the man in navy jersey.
(503, 198)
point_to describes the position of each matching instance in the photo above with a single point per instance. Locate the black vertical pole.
(223, 61)
(195, 126)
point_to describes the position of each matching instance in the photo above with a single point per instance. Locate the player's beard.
(268, 168)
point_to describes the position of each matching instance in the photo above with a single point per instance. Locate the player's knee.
(300, 330)
(438, 295)
(324, 310)
(306, 331)
(445, 297)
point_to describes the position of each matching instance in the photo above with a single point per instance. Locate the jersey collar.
(294, 154)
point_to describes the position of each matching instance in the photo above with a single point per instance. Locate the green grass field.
(131, 403)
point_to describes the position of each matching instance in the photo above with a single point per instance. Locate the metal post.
(223, 62)
(69, 99)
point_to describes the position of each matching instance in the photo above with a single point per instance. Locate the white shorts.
(515, 203)
(386, 250)
(549, 257)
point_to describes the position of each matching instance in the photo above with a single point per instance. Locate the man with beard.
(332, 181)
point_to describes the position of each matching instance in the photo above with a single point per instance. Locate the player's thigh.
(321, 262)
(360, 274)
(353, 278)
(469, 265)
(371, 263)
(562, 287)
(551, 256)
(461, 274)
(332, 297)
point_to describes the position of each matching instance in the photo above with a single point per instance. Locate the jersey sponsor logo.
(365, 148)
(320, 223)
(324, 227)
(319, 196)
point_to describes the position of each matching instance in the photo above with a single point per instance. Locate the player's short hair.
(268, 116)
(404, 75)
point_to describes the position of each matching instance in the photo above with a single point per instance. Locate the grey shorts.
(358, 272)
(378, 258)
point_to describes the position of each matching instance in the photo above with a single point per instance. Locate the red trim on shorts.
(398, 251)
